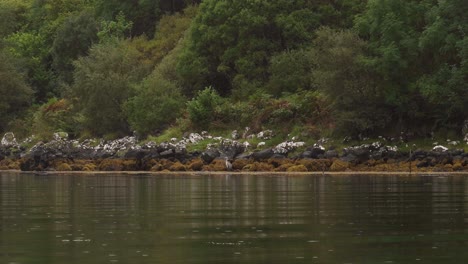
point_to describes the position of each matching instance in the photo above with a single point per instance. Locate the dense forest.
(107, 68)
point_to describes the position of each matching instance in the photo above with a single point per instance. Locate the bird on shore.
(228, 164)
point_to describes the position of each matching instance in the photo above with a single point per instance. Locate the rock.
(316, 151)
(287, 146)
(263, 154)
(167, 153)
(244, 156)
(266, 134)
(209, 155)
(60, 136)
(331, 154)
(350, 158)
(235, 135)
(423, 163)
(278, 156)
(306, 154)
(439, 148)
(231, 149)
(138, 155)
(9, 140)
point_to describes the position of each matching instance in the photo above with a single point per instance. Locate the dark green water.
(233, 219)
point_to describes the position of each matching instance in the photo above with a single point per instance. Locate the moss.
(166, 164)
(239, 164)
(284, 167)
(196, 165)
(148, 164)
(457, 166)
(89, 167)
(339, 165)
(129, 165)
(111, 165)
(448, 167)
(177, 166)
(316, 164)
(297, 168)
(215, 165)
(157, 167)
(63, 167)
(278, 162)
(259, 166)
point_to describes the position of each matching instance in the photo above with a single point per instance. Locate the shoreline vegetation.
(203, 152)
(284, 85)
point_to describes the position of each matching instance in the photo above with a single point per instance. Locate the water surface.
(233, 219)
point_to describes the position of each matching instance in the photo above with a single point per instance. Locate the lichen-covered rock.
(9, 140)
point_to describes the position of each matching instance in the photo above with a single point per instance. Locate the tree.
(31, 49)
(15, 93)
(144, 14)
(158, 100)
(444, 50)
(339, 72)
(231, 42)
(73, 39)
(290, 71)
(157, 104)
(103, 81)
(12, 16)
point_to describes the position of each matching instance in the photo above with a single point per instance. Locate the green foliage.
(12, 16)
(73, 39)
(341, 75)
(145, 14)
(31, 49)
(202, 108)
(290, 71)
(158, 103)
(231, 44)
(376, 65)
(104, 81)
(169, 33)
(54, 116)
(444, 50)
(114, 30)
(232, 41)
(14, 91)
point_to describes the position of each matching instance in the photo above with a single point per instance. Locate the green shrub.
(202, 108)
(157, 104)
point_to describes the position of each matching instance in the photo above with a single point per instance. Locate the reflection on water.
(233, 219)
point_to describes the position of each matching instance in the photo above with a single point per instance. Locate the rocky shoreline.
(236, 154)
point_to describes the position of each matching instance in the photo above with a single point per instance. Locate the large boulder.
(209, 155)
(263, 154)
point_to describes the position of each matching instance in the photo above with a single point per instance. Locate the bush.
(157, 104)
(55, 115)
(202, 108)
